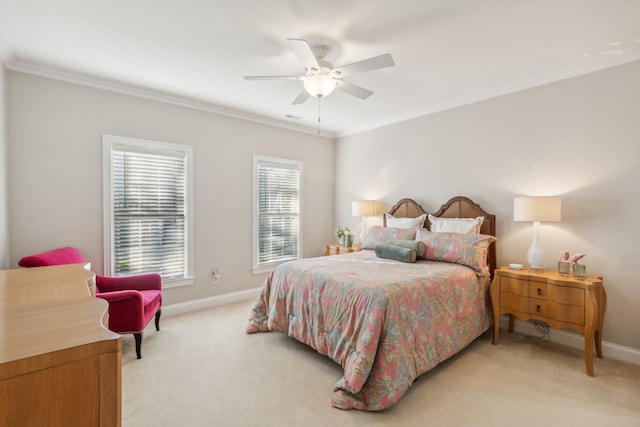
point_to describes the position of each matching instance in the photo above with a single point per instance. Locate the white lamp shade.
(545, 209)
(319, 85)
(536, 209)
(366, 208)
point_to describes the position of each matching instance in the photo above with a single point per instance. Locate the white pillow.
(456, 225)
(394, 222)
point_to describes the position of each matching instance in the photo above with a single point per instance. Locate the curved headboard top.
(456, 207)
(463, 207)
(405, 208)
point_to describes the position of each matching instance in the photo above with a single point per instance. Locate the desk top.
(46, 309)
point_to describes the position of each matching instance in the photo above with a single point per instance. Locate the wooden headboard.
(456, 207)
(405, 208)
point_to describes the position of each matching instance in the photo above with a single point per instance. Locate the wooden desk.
(59, 364)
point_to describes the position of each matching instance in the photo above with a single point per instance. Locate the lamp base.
(535, 254)
(363, 230)
(535, 257)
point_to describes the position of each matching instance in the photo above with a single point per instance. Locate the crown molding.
(154, 95)
(5, 55)
(141, 92)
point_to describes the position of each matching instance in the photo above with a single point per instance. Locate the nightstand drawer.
(514, 286)
(559, 294)
(515, 302)
(565, 295)
(538, 290)
(560, 312)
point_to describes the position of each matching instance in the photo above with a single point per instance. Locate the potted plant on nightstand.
(345, 236)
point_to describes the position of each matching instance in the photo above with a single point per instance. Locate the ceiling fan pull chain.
(319, 115)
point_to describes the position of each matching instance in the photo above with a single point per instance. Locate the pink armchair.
(133, 300)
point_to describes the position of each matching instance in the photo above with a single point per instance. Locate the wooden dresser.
(59, 365)
(559, 301)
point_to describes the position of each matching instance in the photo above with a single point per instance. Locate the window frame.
(266, 267)
(111, 143)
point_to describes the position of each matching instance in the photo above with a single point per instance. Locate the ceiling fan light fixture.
(320, 85)
(320, 78)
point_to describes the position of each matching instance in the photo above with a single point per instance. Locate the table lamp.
(365, 208)
(536, 209)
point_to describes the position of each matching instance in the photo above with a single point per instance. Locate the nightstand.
(337, 249)
(561, 302)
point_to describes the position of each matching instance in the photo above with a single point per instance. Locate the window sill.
(264, 269)
(178, 283)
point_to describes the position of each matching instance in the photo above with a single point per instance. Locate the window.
(277, 215)
(148, 226)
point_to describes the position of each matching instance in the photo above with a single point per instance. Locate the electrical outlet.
(216, 276)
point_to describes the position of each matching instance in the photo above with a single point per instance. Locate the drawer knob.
(539, 291)
(538, 308)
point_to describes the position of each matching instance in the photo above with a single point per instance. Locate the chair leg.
(138, 338)
(158, 319)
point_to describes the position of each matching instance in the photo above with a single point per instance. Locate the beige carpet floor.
(201, 369)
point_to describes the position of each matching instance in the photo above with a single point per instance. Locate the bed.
(384, 321)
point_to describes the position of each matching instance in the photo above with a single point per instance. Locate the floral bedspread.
(385, 322)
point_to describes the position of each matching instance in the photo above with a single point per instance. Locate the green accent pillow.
(397, 253)
(416, 245)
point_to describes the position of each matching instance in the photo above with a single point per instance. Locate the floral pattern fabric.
(385, 322)
(377, 235)
(466, 249)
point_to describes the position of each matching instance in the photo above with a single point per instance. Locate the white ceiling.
(195, 52)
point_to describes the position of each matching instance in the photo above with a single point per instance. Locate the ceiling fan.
(320, 78)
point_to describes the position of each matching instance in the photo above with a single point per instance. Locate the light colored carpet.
(201, 369)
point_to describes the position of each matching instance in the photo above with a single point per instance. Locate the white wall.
(4, 221)
(578, 138)
(55, 175)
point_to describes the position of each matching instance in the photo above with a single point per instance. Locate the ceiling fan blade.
(370, 64)
(304, 53)
(273, 77)
(301, 98)
(353, 90)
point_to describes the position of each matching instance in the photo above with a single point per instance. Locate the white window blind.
(278, 202)
(149, 224)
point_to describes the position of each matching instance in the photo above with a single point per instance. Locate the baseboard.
(614, 351)
(202, 303)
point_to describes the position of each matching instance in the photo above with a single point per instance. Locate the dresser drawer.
(565, 295)
(515, 302)
(538, 290)
(560, 312)
(515, 286)
(542, 309)
(559, 294)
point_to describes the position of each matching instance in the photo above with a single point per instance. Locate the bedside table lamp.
(536, 209)
(365, 208)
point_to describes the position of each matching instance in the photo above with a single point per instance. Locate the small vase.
(348, 240)
(342, 241)
(563, 268)
(579, 271)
